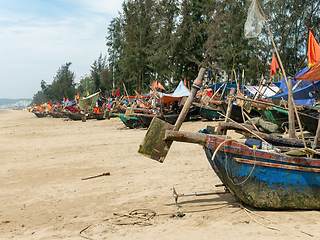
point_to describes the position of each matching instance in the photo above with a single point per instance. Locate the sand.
(43, 196)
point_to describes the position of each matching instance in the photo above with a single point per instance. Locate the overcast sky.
(38, 36)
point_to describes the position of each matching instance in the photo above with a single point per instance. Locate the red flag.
(160, 86)
(96, 110)
(274, 65)
(185, 81)
(117, 92)
(313, 49)
(138, 95)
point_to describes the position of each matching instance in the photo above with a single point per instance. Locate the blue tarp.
(301, 93)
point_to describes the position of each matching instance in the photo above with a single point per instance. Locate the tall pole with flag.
(253, 27)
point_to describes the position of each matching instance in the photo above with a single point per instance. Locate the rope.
(225, 167)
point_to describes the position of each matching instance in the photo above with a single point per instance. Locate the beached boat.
(236, 112)
(78, 116)
(146, 119)
(131, 122)
(57, 114)
(101, 115)
(40, 114)
(208, 112)
(265, 179)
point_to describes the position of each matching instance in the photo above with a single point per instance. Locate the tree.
(97, 68)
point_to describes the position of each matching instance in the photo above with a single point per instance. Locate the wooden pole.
(229, 109)
(289, 84)
(316, 137)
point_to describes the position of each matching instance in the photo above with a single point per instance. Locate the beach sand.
(43, 196)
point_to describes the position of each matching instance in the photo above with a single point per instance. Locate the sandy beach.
(43, 196)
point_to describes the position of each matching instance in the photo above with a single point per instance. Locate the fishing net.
(254, 23)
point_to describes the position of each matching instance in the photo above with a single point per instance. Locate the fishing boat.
(40, 114)
(265, 179)
(208, 112)
(237, 112)
(130, 122)
(101, 115)
(146, 119)
(260, 175)
(57, 114)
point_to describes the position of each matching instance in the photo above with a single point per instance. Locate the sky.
(37, 37)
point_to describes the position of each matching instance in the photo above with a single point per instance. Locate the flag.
(313, 49)
(117, 92)
(185, 81)
(274, 65)
(112, 94)
(138, 95)
(78, 96)
(96, 110)
(161, 87)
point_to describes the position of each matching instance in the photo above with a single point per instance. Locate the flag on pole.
(274, 65)
(160, 86)
(313, 49)
(117, 92)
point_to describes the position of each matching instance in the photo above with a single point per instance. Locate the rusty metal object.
(176, 195)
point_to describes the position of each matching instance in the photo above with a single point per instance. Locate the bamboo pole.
(291, 105)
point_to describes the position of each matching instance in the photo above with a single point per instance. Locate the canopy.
(312, 75)
(301, 93)
(181, 91)
(87, 102)
(268, 91)
(300, 96)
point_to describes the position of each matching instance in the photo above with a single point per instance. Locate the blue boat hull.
(264, 179)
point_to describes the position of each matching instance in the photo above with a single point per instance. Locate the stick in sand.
(100, 175)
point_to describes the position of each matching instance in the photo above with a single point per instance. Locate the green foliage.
(86, 87)
(171, 39)
(63, 86)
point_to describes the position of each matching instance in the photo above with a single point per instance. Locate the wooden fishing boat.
(274, 115)
(260, 175)
(309, 118)
(146, 119)
(57, 114)
(78, 116)
(131, 122)
(40, 114)
(208, 112)
(265, 179)
(102, 115)
(236, 112)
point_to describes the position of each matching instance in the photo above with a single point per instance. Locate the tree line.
(169, 40)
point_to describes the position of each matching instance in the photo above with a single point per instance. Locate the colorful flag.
(274, 65)
(117, 92)
(313, 49)
(185, 81)
(161, 87)
(138, 95)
